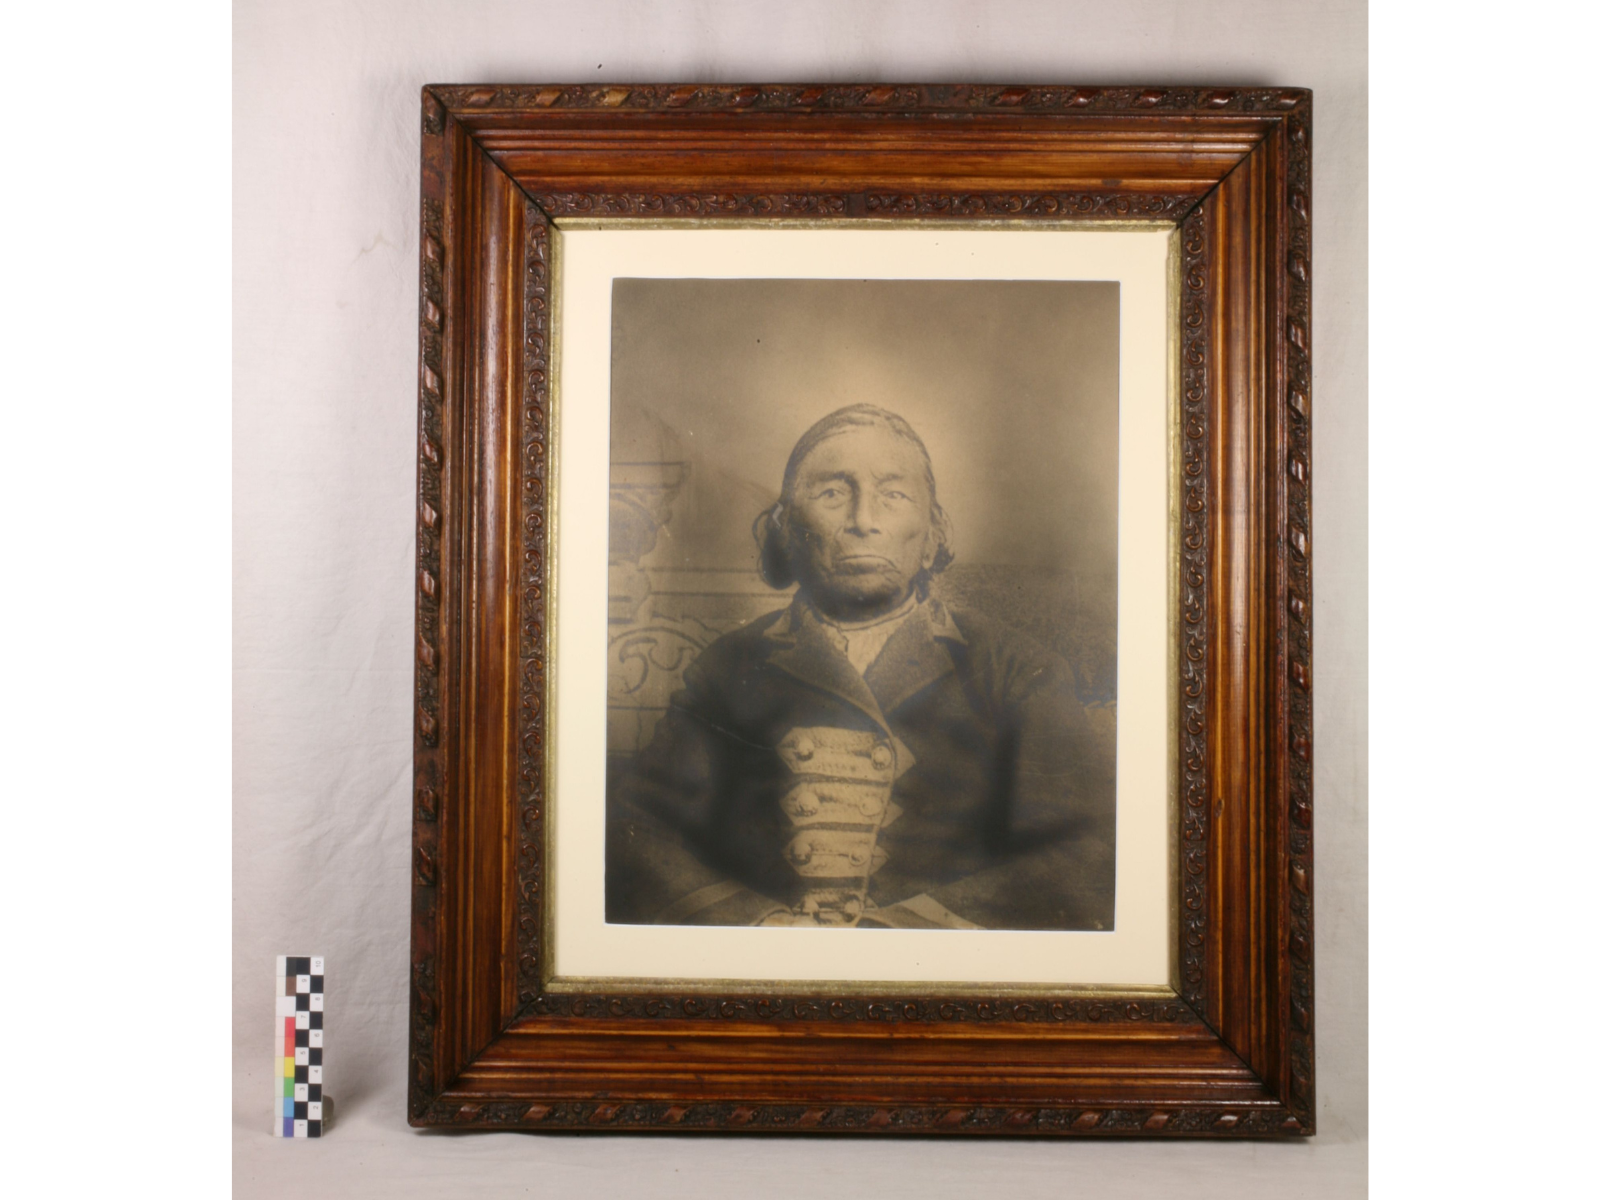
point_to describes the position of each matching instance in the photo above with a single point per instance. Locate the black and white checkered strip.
(304, 975)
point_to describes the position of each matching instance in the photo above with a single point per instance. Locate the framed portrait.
(863, 627)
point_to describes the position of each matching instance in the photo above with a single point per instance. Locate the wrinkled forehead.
(870, 450)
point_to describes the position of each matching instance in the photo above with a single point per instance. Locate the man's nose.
(864, 514)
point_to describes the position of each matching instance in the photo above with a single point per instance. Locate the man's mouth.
(862, 562)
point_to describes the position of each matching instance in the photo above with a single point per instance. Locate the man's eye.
(831, 493)
(893, 495)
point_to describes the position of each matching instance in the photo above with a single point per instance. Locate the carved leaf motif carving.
(1213, 1121)
(1293, 415)
(866, 97)
(692, 204)
(1195, 552)
(1032, 204)
(888, 1010)
(532, 650)
(429, 769)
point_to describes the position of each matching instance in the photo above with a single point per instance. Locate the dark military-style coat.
(956, 784)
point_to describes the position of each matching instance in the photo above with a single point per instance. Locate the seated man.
(866, 756)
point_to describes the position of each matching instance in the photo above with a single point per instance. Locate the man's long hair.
(771, 529)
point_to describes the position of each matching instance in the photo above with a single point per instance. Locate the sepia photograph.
(862, 604)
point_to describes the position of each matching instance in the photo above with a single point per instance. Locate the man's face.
(861, 520)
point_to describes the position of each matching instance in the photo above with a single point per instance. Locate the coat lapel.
(914, 657)
(804, 650)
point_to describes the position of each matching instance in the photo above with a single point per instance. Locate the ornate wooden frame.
(1229, 1052)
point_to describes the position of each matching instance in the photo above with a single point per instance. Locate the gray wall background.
(325, 194)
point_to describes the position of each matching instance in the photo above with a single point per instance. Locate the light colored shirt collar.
(862, 641)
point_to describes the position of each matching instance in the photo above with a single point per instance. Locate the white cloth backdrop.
(325, 194)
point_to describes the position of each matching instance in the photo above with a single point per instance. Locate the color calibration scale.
(297, 1049)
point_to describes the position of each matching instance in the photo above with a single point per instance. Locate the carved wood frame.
(1230, 1051)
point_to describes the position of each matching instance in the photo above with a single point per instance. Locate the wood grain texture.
(493, 1045)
